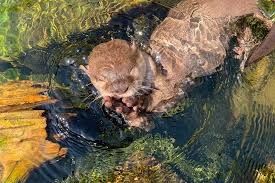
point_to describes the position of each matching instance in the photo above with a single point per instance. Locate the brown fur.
(191, 42)
(115, 67)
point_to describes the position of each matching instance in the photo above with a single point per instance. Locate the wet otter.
(191, 42)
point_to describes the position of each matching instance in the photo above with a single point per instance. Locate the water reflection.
(223, 132)
(26, 23)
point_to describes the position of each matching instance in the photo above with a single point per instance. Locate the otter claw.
(107, 101)
(129, 105)
(135, 108)
(108, 104)
(129, 101)
(122, 105)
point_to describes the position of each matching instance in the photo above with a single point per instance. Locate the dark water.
(224, 131)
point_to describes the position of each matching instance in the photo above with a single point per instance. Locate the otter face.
(117, 69)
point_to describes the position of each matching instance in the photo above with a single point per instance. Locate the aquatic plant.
(25, 24)
(101, 164)
(266, 174)
(268, 7)
(151, 157)
(183, 105)
(10, 74)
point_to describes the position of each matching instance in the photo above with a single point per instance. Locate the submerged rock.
(144, 170)
(23, 144)
(148, 159)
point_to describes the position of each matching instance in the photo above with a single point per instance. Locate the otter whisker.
(146, 92)
(147, 88)
(88, 84)
(137, 92)
(97, 98)
(87, 97)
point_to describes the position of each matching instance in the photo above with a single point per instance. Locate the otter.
(191, 42)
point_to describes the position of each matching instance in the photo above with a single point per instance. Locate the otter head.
(118, 69)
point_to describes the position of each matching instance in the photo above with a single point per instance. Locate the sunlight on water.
(254, 103)
(27, 23)
(223, 132)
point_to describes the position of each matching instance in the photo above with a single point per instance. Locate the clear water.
(224, 131)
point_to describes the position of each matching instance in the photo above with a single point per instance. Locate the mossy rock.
(148, 159)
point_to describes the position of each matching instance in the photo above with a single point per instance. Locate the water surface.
(224, 131)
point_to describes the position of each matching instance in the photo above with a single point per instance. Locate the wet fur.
(122, 66)
(191, 42)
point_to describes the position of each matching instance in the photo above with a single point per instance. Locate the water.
(223, 131)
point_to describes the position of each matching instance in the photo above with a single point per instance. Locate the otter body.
(186, 48)
(191, 42)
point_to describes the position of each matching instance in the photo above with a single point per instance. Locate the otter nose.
(119, 87)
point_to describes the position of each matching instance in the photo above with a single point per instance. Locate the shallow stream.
(224, 131)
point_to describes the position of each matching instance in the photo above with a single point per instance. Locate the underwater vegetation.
(268, 8)
(151, 158)
(23, 144)
(28, 23)
(266, 174)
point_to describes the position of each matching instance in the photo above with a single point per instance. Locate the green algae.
(266, 174)
(259, 30)
(10, 74)
(25, 24)
(268, 8)
(3, 142)
(28, 23)
(104, 163)
(88, 177)
(257, 86)
(166, 154)
(179, 108)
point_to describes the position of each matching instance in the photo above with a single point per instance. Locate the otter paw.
(124, 105)
(129, 101)
(115, 105)
(107, 101)
(239, 52)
